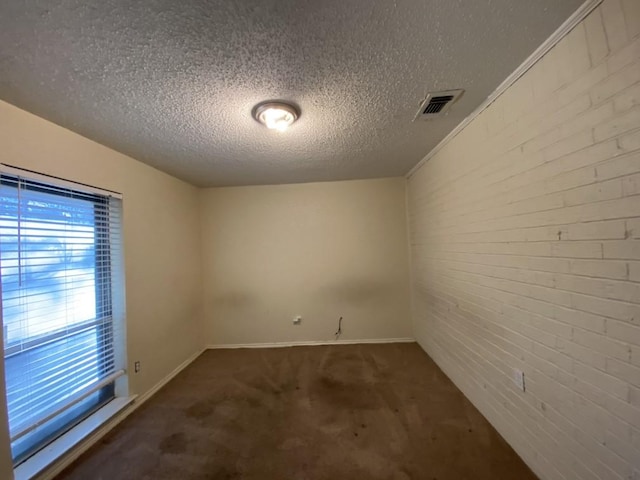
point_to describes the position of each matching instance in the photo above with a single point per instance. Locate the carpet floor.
(305, 413)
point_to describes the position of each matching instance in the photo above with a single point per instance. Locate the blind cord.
(19, 232)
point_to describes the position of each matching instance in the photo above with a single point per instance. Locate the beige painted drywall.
(320, 250)
(525, 240)
(161, 241)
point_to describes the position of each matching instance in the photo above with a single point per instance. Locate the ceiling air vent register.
(437, 104)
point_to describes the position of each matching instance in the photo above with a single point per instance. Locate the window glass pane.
(56, 312)
(48, 264)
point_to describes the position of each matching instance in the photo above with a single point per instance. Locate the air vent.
(437, 104)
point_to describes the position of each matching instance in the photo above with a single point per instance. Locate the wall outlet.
(297, 319)
(518, 378)
(136, 367)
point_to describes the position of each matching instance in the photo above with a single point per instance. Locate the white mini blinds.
(62, 306)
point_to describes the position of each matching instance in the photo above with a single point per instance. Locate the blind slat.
(60, 255)
(73, 401)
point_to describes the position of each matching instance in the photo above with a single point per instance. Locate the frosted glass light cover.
(276, 116)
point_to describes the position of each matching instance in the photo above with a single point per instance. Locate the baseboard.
(59, 465)
(149, 393)
(310, 343)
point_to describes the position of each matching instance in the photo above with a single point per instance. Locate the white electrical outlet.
(518, 378)
(297, 319)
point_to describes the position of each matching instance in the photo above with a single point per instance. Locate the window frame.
(103, 320)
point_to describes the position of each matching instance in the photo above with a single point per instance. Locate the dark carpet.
(305, 413)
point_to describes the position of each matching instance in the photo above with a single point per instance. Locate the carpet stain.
(343, 394)
(175, 443)
(199, 410)
(223, 474)
(368, 412)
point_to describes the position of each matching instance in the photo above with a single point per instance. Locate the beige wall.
(525, 240)
(320, 250)
(161, 240)
(269, 253)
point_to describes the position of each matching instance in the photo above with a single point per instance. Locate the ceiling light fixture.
(276, 115)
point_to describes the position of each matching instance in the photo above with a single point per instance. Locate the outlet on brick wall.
(518, 378)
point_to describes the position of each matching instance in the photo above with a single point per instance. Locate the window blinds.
(62, 305)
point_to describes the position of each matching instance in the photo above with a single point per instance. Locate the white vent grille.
(437, 104)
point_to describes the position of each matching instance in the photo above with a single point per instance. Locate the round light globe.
(275, 115)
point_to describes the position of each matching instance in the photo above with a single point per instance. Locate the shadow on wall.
(354, 291)
(235, 299)
(357, 290)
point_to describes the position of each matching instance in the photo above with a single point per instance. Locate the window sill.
(65, 443)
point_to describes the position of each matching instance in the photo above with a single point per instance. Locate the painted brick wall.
(525, 243)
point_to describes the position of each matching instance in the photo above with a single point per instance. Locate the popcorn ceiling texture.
(173, 83)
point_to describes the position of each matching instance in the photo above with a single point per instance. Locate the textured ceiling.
(172, 83)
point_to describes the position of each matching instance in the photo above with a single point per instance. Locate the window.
(62, 306)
